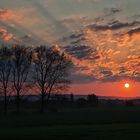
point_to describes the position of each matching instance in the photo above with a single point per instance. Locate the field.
(114, 123)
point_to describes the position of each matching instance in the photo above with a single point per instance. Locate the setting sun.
(126, 85)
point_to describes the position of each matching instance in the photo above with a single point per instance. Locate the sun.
(126, 85)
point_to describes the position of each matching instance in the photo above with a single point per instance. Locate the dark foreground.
(82, 124)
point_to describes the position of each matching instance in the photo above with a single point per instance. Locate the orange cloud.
(118, 54)
(6, 15)
(5, 36)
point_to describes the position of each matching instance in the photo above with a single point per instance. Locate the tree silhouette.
(50, 71)
(21, 62)
(92, 100)
(5, 73)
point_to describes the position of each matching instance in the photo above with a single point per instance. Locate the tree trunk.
(18, 102)
(5, 101)
(42, 103)
(48, 97)
(49, 94)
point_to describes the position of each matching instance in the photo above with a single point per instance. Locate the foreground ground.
(114, 123)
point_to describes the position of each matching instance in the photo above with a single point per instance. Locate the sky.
(102, 37)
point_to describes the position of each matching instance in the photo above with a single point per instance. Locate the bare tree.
(21, 62)
(51, 70)
(5, 72)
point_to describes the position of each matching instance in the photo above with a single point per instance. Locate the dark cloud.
(82, 52)
(122, 70)
(75, 36)
(76, 42)
(116, 78)
(133, 31)
(114, 25)
(82, 78)
(108, 77)
(106, 73)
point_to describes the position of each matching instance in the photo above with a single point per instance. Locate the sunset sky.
(102, 37)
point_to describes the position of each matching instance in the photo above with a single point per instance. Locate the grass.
(92, 123)
(80, 132)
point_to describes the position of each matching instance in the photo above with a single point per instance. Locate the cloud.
(112, 11)
(114, 48)
(6, 15)
(117, 78)
(134, 31)
(73, 19)
(82, 78)
(75, 36)
(5, 36)
(115, 25)
(106, 73)
(82, 52)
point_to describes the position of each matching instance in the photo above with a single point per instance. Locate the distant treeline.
(58, 102)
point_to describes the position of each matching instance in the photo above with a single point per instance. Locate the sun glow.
(126, 85)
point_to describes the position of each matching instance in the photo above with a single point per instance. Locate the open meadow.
(85, 123)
